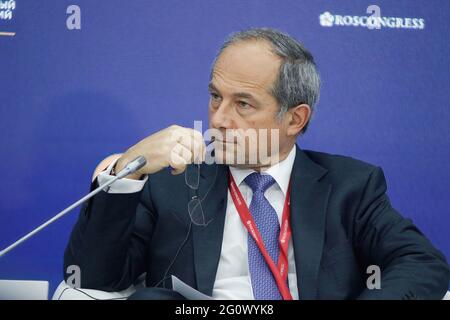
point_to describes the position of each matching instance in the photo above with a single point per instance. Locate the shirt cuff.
(123, 185)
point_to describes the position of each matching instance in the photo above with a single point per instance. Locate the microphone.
(131, 167)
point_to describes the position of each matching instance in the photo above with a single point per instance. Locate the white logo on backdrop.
(7, 13)
(6, 9)
(373, 21)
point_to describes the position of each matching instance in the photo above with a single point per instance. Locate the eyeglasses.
(195, 209)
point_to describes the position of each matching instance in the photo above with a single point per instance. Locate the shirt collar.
(280, 171)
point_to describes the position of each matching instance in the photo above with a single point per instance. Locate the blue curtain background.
(71, 97)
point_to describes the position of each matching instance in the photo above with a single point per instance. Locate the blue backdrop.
(71, 97)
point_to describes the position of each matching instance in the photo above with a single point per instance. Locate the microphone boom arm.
(131, 167)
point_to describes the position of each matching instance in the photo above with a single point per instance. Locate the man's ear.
(298, 117)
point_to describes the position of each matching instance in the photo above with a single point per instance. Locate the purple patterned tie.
(266, 219)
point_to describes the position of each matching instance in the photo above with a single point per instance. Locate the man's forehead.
(249, 63)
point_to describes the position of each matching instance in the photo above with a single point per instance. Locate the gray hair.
(298, 80)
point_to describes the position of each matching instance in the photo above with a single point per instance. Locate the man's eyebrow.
(212, 87)
(244, 95)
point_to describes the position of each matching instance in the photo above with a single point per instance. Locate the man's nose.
(220, 117)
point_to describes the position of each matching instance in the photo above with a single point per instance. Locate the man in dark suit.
(293, 224)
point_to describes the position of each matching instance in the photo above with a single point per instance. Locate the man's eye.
(215, 96)
(243, 104)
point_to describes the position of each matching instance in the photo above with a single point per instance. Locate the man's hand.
(174, 146)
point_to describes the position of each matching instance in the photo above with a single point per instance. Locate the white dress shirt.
(233, 277)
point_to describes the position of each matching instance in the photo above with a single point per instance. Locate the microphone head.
(140, 162)
(132, 167)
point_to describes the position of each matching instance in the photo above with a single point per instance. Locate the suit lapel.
(207, 241)
(309, 198)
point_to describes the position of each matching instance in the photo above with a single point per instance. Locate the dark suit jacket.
(341, 219)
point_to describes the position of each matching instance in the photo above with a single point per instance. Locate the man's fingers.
(183, 152)
(177, 163)
(193, 140)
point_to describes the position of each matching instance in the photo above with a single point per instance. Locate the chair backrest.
(23, 290)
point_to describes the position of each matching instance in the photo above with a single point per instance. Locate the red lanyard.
(279, 272)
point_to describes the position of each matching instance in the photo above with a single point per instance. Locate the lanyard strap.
(280, 271)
